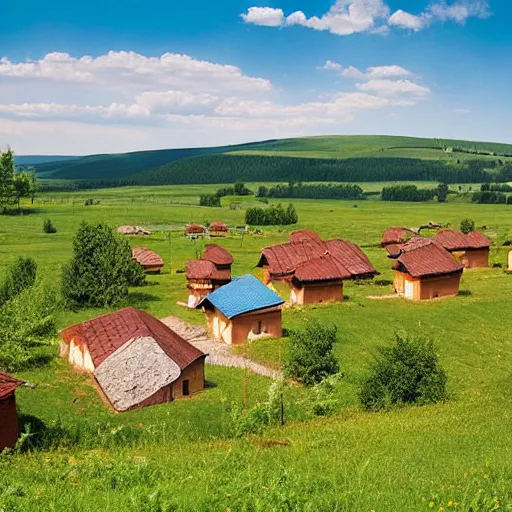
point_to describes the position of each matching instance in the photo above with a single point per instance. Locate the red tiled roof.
(217, 255)
(456, 241)
(194, 228)
(206, 270)
(147, 258)
(396, 235)
(218, 226)
(284, 259)
(105, 334)
(422, 257)
(8, 385)
(324, 268)
(303, 235)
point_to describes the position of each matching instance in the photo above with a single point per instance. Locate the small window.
(186, 390)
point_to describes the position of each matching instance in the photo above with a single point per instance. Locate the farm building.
(242, 310)
(149, 260)
(218, 229)
(472, 250)
(195, 230)
(314, 269)
(8, 416)
(135, 359)
(207, 274)
(133, 230)
(424, 270)
(396, 236)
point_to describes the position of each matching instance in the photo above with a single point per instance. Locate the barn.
(472, 250)
(396, 235)
(218, 228)
(314, 269)
(135, 359)
(207, 274)
(242, 310)
(150, 261)
(425, 270)
(9, 431)
(195, 230)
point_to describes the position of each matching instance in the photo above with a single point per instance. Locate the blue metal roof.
(242, 295)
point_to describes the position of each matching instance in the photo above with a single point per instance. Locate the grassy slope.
(120, 166)
(183, 459)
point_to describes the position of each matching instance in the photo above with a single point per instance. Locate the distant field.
(182, 456)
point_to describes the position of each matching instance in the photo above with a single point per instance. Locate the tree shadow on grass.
(208, 384)
(22, 212)
(36, 434)
(465, 293)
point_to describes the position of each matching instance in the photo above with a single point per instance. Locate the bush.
(311, 359)
(442, 192)
(273, 216)
(100, 270)
(406, 373)
(20, 276)
(209, 200)
(467, 225)
(407, 193)
(48, 227)
(135, 274)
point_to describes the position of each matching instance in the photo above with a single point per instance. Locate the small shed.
(218, 228)
(150, 261)
(135, 359)
(195, 230)
(425, 270)
(209, 273)
(242, 310)
(472, 250)
(9, 431)
(396, 235)
(314, 269)
(133, 230)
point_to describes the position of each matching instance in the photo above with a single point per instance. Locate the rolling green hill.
(332, 158)
(42, 159)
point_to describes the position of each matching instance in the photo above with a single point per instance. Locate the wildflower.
(431, 504)
(452, 503)
(486, 475)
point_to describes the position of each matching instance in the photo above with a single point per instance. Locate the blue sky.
(112, 76)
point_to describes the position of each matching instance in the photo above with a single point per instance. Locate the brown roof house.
(218, 229)
(396, 236)
(8, 416)
(242, 310)
(207, 274)
(135, 359)
(472, 250)
(195, 230)
(313, 268)
(424, 270)
(150, 261)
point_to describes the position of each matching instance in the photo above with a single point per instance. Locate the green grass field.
(182, 455)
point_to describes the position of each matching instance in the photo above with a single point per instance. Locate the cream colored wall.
(79, 356)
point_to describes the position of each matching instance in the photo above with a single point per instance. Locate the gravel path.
(219, 354)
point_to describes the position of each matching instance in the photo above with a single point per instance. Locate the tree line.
(407, 193)
(275, 215)
(311, 191)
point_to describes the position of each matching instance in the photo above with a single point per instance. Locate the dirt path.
(219, 354)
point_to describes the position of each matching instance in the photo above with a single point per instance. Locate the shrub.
(20, 276)
(467, 225)
(209, 200)
(311, 359)
(442, 192)
(135, 274)
(276, 215)
(100, 270)
(406, 373)
(48, 227)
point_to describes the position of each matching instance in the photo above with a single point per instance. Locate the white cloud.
(461, 111)
(352, 72)
(331, 66)
(391, 88)
(265, 16)
(348, 17)
(371, 72)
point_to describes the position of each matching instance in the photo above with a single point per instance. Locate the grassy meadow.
(183, 455)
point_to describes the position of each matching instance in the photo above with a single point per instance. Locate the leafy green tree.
(100, 270)
(467, 225)
(48, 227)
(311, 357)
(20, 276)
(408, 372)
(209, 200)
(442, 192)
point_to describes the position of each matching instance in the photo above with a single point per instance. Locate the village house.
(218, 229)
(396, 236)
(207, 274)
(135, 359)
(314, 269)
(425, 270)
(8, 416)
(195, 230)
(472, 250)
(150, 261)
(242, 310)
